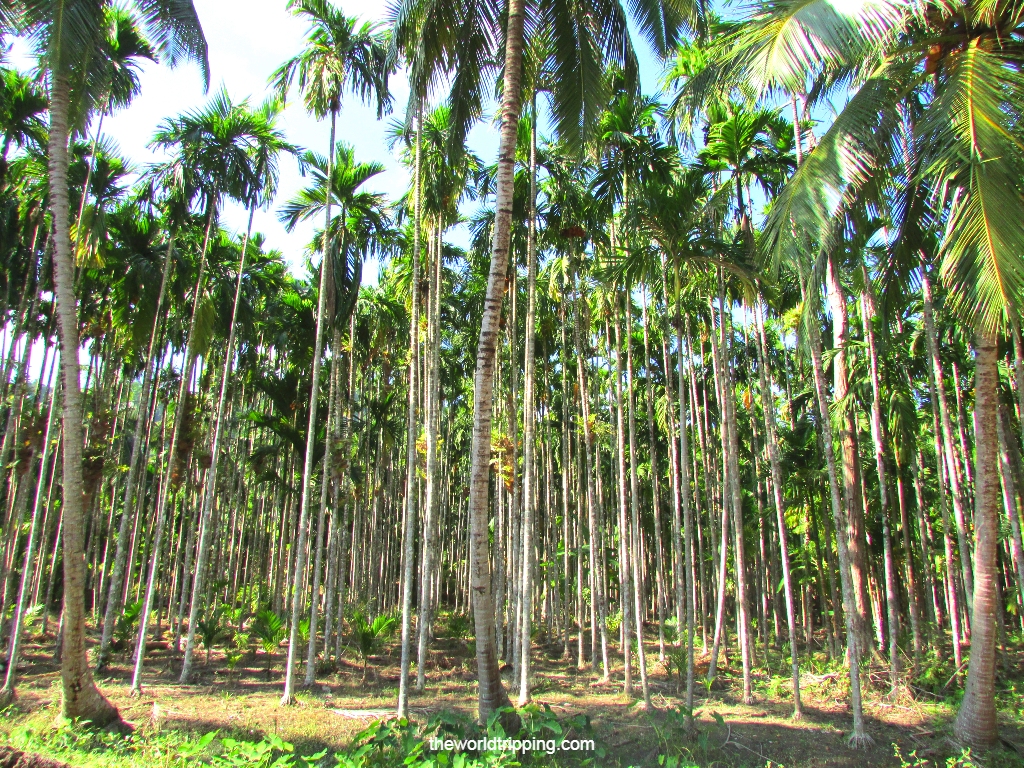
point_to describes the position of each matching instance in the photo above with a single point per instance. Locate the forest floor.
(912, 729)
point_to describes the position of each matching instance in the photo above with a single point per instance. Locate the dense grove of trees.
(725, 371)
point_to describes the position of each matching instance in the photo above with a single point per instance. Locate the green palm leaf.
(978, 162)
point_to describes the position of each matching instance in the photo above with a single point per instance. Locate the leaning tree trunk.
(7, 692)
(976, 722)
(116, 581)
(81, 698)
(492, 694)
(167, 490)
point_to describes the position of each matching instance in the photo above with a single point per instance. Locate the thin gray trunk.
(529, 429)
(775, 461)
(205, 526)
(409, 522)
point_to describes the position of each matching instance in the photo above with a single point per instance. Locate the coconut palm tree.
(66, 34)
(962, 155)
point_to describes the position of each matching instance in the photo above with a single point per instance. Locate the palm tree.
(213, 158)
(369, 636)
(117, 79)
(962, 154)
(356, 231)
(266, 144)
(456, 39)
(174, 206)
(66, 34)
(21, 111)
(631, 152)
(339, 56)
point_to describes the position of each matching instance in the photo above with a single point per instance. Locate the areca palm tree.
(348, 237)
(216, 155)
(117, 84)
(749, 145)
(66, 34)
(462, 39)
(266, 144)
(339, 56)
(945, 126)
(22, 106)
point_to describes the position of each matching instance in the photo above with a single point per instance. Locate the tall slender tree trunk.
(431, 502)
(716, 644)
(634, 513)
(685, 564)
(325, 484)
(976, 721)
(593, 494)
(7, 691)
(878, 438)
(492, 694)
(952, 465)
(81, 698)
(860, 736)
(167, 490)
(131, 496)
(732, 457)
(205, 524)
(625, 572)
(775, 462)
(529, 428)
(299, 580)
(409, 517)
(1010, 464)
(853, 508)
(662, 598)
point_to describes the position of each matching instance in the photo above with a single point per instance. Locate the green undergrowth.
(395, 742)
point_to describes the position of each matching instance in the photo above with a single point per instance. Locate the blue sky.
(248, 40)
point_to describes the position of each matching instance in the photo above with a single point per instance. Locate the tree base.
(860, 741)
